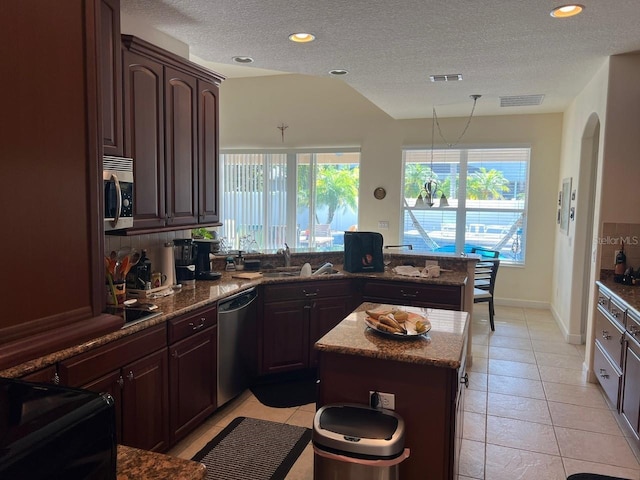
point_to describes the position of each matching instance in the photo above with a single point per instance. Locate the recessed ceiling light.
(242, 59)
(565, 11)
(302, 37)
(338, 72)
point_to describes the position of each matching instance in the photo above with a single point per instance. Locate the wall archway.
(584, 228)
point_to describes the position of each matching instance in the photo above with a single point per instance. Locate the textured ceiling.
(501, 47)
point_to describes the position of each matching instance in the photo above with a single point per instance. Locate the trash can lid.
(359, 430)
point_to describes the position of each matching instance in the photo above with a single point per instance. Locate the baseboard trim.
(513, 302)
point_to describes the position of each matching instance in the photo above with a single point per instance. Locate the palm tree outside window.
(486, 190)
(259, 209)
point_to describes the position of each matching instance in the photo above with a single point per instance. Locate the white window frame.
(461, 209)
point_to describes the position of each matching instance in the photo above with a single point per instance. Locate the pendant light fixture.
(431, 186)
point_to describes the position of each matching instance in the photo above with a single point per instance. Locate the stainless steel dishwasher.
(237, 344)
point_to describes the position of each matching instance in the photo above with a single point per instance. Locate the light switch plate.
(383, 224)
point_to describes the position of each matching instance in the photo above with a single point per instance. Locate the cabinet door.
(50, 158)
(192, 381)
(181, 148)
(326, 313)
(111, 77)
(145, 403)
(630, 406)
(144, 141)
(110, 383)
(285, 336)
(208, 152)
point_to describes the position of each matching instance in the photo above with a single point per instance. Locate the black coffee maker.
(203, 261)
(185, 252)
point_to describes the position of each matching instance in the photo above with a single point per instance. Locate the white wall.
(589, 103)
(323, 112)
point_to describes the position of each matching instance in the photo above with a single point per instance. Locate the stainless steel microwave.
(117, 180)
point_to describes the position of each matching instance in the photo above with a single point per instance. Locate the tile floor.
(529, 411)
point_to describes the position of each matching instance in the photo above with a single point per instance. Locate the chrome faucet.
(287, 255)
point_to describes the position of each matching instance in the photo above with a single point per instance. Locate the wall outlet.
(383, 224)
(382, 400)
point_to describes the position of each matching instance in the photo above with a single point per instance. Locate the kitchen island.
(426, 375)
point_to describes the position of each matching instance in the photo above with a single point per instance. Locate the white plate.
(409, 325)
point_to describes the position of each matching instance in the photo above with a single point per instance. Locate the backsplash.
(152, 242)
(613, 234)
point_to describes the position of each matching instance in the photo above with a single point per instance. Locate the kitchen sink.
(280, 274)
(295, 273)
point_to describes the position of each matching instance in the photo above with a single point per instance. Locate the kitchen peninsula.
(426, 375)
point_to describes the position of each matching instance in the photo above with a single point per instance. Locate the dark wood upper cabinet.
(181, 137)
(111, 77)
(208, 152)
(171, 132)
(145, 139)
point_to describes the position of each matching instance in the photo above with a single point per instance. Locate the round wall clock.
(379, 193)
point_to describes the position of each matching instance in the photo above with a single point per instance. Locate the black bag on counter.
(363, 252)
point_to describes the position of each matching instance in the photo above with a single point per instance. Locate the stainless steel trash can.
(357, 442)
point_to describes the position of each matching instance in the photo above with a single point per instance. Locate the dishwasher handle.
(237, 302)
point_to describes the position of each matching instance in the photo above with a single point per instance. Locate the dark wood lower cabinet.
(192, 381)
(146, 402)
(134, 370)
(429, 399)
(448, 297)
(295, 316)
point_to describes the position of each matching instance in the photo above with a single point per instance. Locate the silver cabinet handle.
(409, 295)
(56, 379)
(175, 354)
(614, 313)
(130, 376)
(199, 326)
(121, 381)
(602, 301)
(465, 380)
(310, 294)
(605, 335)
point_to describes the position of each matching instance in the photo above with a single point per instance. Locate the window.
(259, 212)
(486, 190)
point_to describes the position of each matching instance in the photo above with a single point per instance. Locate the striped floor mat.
(252, 449)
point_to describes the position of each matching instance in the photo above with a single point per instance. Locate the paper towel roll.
(167, 264)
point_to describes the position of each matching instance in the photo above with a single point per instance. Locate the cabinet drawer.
(88, 366)
(609, 335)
(617, 312)
(603, 300)
(608, 375)
(633, 324)
(404, 293)
(190, 323)
(307, 290)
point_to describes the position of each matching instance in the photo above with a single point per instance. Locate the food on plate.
(400, 316)
(373, 314)
(389, 321)
(420, 327)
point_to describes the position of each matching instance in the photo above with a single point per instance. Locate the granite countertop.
(207, 293)
(629, 294)
(442, 347)
(135, 464)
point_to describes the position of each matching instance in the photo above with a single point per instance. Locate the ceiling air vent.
(521, 100)
(449, 77)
